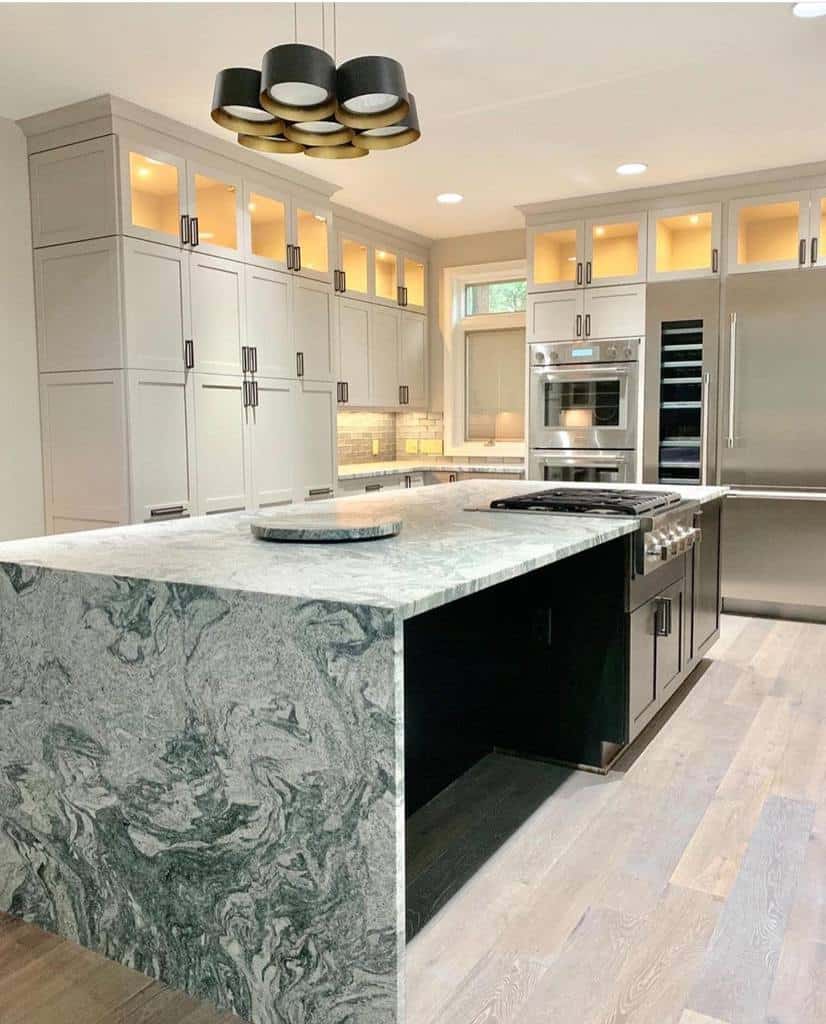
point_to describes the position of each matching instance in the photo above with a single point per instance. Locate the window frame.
(487, 283)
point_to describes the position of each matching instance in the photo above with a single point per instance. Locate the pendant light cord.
(295, 21)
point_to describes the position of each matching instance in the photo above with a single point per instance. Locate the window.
(495, 379)
(495, 297)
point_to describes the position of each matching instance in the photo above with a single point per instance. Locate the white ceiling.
(519, 103)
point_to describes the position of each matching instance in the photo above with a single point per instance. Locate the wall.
(21, 473)
(465, 250)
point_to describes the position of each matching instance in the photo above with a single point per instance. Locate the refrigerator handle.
(704, 430)
(732, 374)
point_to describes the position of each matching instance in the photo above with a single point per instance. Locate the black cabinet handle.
(247, 402)
(290, 257)
(339, 391)
(406, 302)
(317, 492)
(715, 260)
(662, 616)
(346, 392)
(254, 359)
(337, 281)
(255, 393)
(408, 481)
(814, 251)
(167, 510)
(297, 258)
(801, 254)
(245, 359)
(343, 281)
(299, 364)
(372, 487)
(451, 478)
(579, 272)
(189, 354)
(184, 229)
(401, 395)
(588, 272)
(194, 236)
(579, 325)
(587, 325)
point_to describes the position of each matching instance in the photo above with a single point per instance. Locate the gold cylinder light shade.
(402, 133)
(346, 152)
(236, 106)
(277, 144)
(319, 133)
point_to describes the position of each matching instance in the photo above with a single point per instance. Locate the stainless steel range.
(668, 523)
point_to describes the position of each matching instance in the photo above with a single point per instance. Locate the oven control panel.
(666, 537)
(567, 353)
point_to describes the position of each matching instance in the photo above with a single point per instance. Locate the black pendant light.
(236, 106)
(298, 82)
(393, 136)
(319, 133)
(372, 92)
(270, 144)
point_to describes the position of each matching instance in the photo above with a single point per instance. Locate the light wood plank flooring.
(686, 887)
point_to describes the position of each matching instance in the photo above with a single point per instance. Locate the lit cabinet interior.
(684, 242)
(386, 275)
(555, 257)
(216, 207)
(154, 190)
(355, 263)
(268, 227)
(615, 251)
(312, 237)
(414, 281)
(768, 233)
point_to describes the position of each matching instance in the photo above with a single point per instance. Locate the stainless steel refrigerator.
(772, 443)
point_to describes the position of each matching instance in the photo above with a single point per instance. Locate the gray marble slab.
(358, 470)
(324, 527)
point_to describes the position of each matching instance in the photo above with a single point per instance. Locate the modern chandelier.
(299, 102)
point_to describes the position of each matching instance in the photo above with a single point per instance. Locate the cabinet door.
(216, 211)
(354, 350)
(768, 232)
(317, 440)
(684, 242)
(413, 359)
(387, 276)
(706, 592)
(669, 648)
(312, 225)
(220, 443)
(78, 299)
(269, 321)
(355, 261)
(313, 320)
(157, 305)
(272, 433)
(74, 192)
(642, 691)
(615, 249)
(84, 450)
(266, 227)
(161, 444)
(555, 316)
(617, 312)
(556, 256)
(817, 229)
(153, 194)
(384, 356)
(218, 328)
(414, 283)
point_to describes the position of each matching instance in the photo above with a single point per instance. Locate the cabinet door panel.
(317, 432)
(217, 295)
(642, 691)
(553, 316)
(684, 242)
(817, 229)
(312, 225)
(220, 443)
(74, 192)
(267, 220)
(216, 200)
(354, 347)
(414, 280)
(706, 603)
(615, 249)
(78, 300)
(768, 232)
(355, 259)
(670, 648)
(413, 359)
(556, 254)
(384, 357)
(156, 293)
(313, 319)
(273, 442)
(162, 434)
(269, 321)
(387, 276)
(617, 312)
(153, 191)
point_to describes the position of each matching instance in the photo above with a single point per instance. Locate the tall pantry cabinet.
(186, 367)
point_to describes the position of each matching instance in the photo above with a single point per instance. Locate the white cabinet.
(313, 332)
(384, 356)
(769, 232)
(78, 300)
(817, 228)
(272, 428)
(413, 283)
(617, 312)
(74, 192)
(354, 276)
(269, 327)
(413, 360)
(161, 444)
(312, 237)
(153, 185)
(215, 210)
(267, 226)
(555, 315)
(157, 305)
(218, 327)
(83, 418)
(684, 242)
(576, 253)
(354, 351)
(556, 256)
(316, 475)
(221, 449)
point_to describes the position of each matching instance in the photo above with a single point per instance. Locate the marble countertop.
(444, 551)
(370, 469)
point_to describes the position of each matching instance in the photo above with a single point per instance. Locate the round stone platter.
(324, 528)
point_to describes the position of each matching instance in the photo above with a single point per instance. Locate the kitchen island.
(203, 738)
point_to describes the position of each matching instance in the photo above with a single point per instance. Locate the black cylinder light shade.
(236, 104)
(394, 136)
(372, 92)
(298, 82)
(270, 144)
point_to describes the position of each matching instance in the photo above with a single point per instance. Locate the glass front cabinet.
(572, 254)
(684, 242)
(368, 270)
(776, 232)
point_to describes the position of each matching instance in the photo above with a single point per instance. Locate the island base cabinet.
(655, 654)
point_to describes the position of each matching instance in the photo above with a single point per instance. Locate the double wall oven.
(583, 410)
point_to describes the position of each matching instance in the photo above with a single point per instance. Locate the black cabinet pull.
(317, 492)
(346, 392)
(451, 478)
(401, 395)
(372, 487)
(184, 229)
(814, 251)
(405, 296)
(343, 281)
(408, 481)
(246, 394)
(407, 394)
(290, 259)
(339, 391)
(254, 359)
(801, 254)
(587, 325)
(579, 272)
(662, 616)
(337, 281)
(167, 510)
(399, 299)
(297, 258)
(588, 272)
(579, 325)
(255, 393)
(194, 236)
(299, 364)
(189, 354)
(715, 260)
(245, 359)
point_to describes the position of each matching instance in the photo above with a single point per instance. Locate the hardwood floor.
(686, 887)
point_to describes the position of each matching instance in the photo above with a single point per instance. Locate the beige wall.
(464, 251)
(21, 474)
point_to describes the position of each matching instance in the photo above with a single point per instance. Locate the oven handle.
(609, 370)
(587, 460)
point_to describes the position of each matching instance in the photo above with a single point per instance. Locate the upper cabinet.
(684, 242)
(310, 253)
(267, 215)
(772, 232)
(154, 194)
(354, 276)
(367, 268)
(572, 254)
(386, 274)
(413, 284)
(215, 211)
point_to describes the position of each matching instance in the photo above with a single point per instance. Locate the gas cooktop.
(591, 501)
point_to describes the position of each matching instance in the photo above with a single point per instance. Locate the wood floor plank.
(690, 1017)
(799, 992)
(738, 970)
(808, 914)
(494, 992)
(801, 771)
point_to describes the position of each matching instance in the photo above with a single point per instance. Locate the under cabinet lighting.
(449, 197)
(809, 9)
(632, 168)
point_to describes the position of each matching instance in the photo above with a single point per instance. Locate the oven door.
(585, 406)
(583, 467)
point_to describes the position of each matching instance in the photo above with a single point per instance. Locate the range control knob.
(540, 357)
(611, 351)
(629, 352)
(554, 356)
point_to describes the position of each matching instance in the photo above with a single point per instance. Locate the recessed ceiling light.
(449, 197)
(809, 9)
(632, 168)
